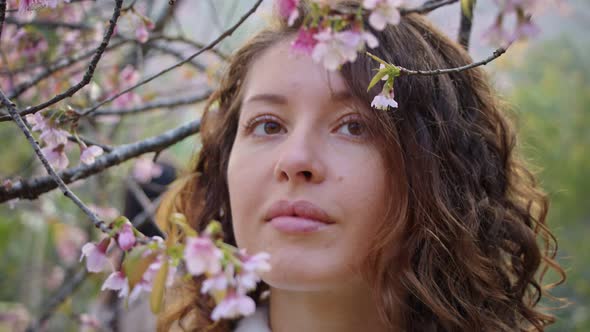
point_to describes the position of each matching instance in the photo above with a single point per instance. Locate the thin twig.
(87, 141)
(143, 48)
(33, 188)
(427, 7)
(170, 51)
(53, 175)
(225, 34)
(73, 59)
(52, 69)
(155, 105)
(193, 43)
(91, 68)
(497, 53)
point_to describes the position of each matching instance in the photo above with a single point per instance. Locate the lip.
(297, 217)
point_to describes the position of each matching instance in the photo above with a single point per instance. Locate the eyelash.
(254, 122)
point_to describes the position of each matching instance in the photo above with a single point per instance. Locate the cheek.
(243, 178)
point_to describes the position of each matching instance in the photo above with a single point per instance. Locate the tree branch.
(225, 34)
(87, 141)
(52, 69)
(33, 188)
(54, 178)
(170, 51)
(91, 68)
(497, 53)
(195, 44)
(155, 105)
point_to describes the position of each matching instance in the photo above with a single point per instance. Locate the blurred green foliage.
(551, 94)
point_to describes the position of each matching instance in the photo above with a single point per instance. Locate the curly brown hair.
(466, 246)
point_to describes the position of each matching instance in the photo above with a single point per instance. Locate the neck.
(325, 311)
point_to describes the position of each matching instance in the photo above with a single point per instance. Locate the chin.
(307, 274)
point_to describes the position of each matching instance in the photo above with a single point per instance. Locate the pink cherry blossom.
(54, 136)
(336, 48)
(258, 263)
(233, 306)
(125, 237)
(129, 76)
(152, 271)
(383, 101)
(56, 156)
(383, 12)
(525, 29)
(370, 39)
(141, 33)
(201, 255)
(218, 282)
(89, 321)
(96, 258)
(89, 154)
(145, 169)
(305, 41)
(104, 212)
(37, 121)
(246, 281)
(496, 35)
(288, 10)
(117, 281)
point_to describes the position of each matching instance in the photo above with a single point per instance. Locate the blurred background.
(546, 82)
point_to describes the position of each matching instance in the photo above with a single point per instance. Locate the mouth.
(297, 217)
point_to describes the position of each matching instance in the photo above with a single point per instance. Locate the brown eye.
(267, 127)
(271, 128)
(355, 128)
(352, 128)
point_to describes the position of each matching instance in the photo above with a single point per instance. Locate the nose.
(299, 160)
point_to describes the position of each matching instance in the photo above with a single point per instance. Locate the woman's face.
(306, 182)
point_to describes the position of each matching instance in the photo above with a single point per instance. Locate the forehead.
(280, 71)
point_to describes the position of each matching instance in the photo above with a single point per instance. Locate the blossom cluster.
(521, 10)
(56, 139)
(231, 274)
(333, 37)
(150, 266)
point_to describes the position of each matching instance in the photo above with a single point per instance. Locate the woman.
(419, 218)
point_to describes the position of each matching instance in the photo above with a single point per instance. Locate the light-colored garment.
(257, 322)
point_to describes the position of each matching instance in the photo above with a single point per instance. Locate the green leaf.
(135, 265)
(376, 58)
(378, 77)
(119, 222)
(158, 288)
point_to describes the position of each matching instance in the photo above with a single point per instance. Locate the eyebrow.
(278, 99)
